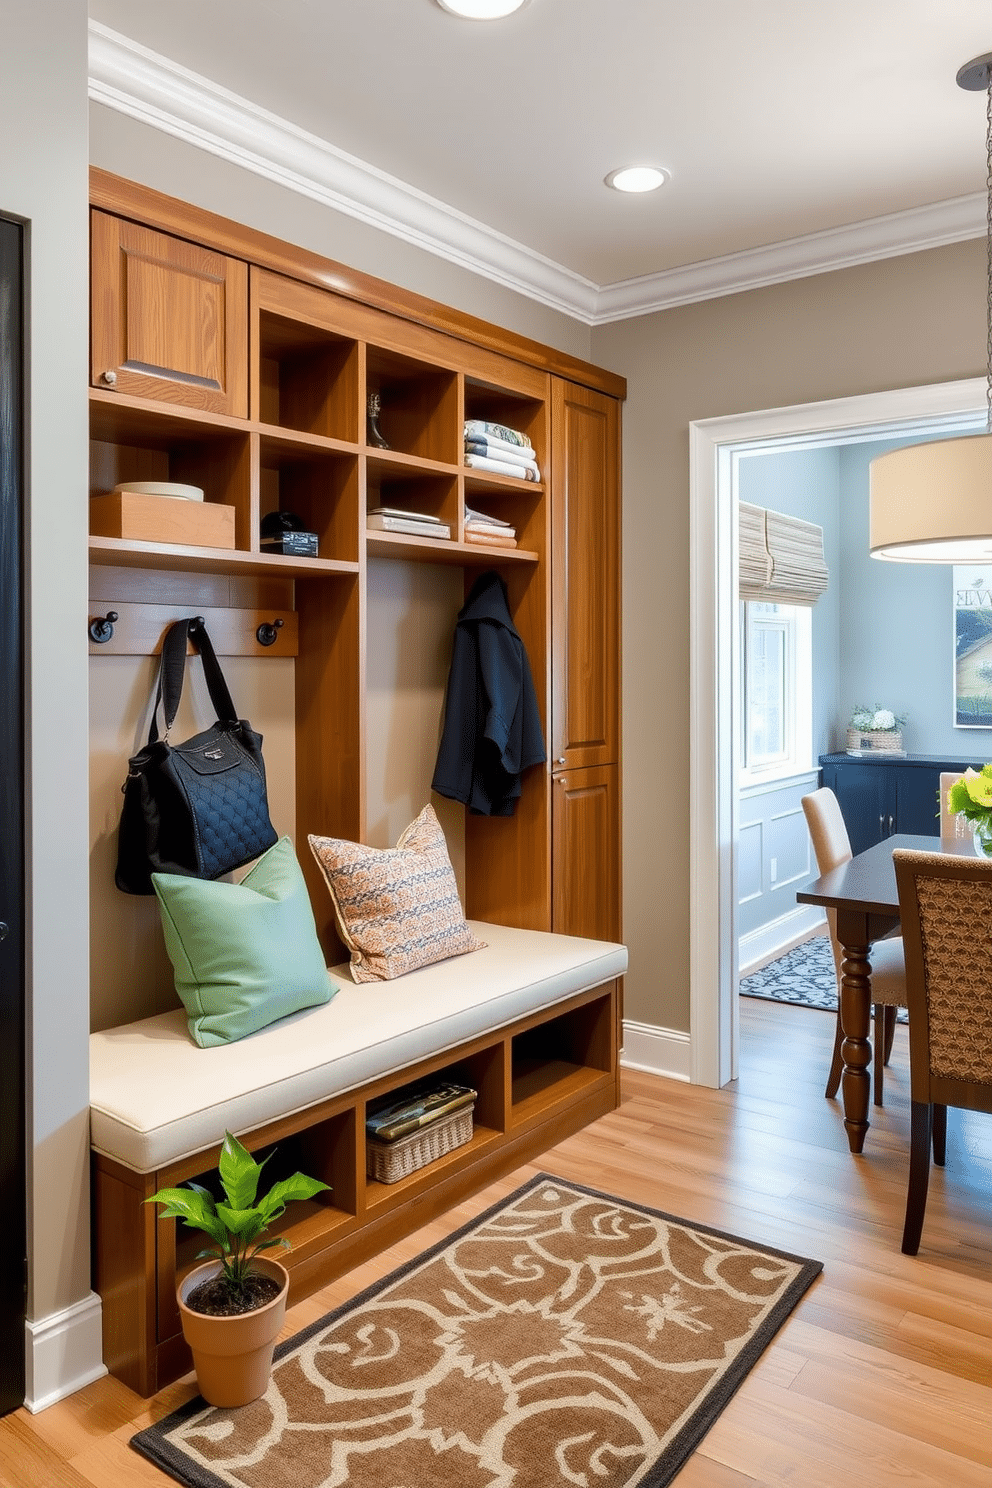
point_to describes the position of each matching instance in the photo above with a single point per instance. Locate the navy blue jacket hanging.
(492, 731)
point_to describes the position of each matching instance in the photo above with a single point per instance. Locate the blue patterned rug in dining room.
(804, 977)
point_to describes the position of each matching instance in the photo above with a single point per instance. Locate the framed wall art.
(972, 601)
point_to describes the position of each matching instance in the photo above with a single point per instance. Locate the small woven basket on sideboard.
(388, 1162)
(874, 741)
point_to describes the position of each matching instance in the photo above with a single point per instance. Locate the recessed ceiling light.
(482, 10)
(637, 178)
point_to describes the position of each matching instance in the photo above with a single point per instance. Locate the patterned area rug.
(804, 976)
(565, 1337)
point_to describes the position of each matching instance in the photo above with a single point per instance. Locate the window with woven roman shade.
(781, 557)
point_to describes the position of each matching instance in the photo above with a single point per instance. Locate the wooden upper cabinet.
(169, 319)
(585, 500)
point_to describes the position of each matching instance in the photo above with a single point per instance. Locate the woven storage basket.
(875, 741)
(388, 1162)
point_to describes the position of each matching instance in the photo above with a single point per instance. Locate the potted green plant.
(971, 797)
(233, 1306)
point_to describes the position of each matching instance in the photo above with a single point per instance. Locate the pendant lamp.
(932, 503)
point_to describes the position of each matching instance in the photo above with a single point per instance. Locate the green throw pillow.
(244, 954)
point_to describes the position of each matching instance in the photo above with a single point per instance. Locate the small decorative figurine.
(374, 409)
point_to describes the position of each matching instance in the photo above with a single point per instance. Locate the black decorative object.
(374, 408)
(283, 532)
(198, 808)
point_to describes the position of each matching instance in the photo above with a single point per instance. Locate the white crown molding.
(952, 221)
(128, 77)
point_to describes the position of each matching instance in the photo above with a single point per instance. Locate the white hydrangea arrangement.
(871, 720)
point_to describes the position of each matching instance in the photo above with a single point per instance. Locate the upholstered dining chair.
(945, 904)
(832, 847)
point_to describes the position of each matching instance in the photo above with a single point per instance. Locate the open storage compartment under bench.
(538, 1080)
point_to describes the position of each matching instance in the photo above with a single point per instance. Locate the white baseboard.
(778, 936)
(63, 1353)
(656, 1051)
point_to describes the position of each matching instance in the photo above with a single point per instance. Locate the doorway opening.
(717, 449)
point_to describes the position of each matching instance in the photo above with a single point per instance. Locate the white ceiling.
(777, 118)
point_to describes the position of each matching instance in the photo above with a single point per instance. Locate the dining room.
(861, 859)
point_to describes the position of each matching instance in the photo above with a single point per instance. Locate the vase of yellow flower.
(971, 797)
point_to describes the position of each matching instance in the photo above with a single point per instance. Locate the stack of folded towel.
(499, 449)
(492, 531)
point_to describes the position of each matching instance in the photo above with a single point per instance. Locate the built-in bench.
(531, 1022)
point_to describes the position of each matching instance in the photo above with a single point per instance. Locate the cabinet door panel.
(585, 864)
(170, 320)
(866, 801)
(917, 809)
(586, 577)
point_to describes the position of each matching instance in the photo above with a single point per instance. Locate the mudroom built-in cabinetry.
(226, 360)
(229, 361)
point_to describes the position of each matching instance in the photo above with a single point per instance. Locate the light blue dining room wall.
(774, 856)
(896, 640)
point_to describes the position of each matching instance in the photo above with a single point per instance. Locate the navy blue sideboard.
(886, 793)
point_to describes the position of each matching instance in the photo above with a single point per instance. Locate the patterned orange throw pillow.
(397, 907)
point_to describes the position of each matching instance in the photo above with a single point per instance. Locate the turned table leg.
(855, 1014)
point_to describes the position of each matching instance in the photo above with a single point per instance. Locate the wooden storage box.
(166, 519)
(388, 1162)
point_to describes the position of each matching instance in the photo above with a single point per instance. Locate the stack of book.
(395, 519)
(500, 449)
(492, 531)
(423, 1126)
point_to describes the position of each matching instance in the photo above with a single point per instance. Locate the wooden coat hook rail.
(137, 630)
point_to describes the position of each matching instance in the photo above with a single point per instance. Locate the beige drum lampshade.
(932, 503)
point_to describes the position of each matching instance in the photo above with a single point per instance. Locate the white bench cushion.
(155, 1097)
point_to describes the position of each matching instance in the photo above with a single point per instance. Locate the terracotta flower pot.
(233, 1355)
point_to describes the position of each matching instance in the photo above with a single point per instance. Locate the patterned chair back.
(945, 904)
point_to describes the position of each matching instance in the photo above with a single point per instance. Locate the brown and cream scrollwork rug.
(563, 1338)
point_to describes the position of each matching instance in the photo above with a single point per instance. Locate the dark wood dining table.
(863, 892)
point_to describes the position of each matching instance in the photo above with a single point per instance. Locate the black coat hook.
(102, 628)
(266, 634)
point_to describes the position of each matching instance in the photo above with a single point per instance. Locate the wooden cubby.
(315, 340)
(308, 379)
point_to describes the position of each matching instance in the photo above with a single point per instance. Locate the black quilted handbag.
(197, 808)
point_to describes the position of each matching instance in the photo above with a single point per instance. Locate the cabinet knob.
(562, 780)
(561, 760)
(110, 378)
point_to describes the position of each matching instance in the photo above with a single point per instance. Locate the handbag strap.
(172, 674)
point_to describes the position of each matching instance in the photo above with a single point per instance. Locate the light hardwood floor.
(883, 1374)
